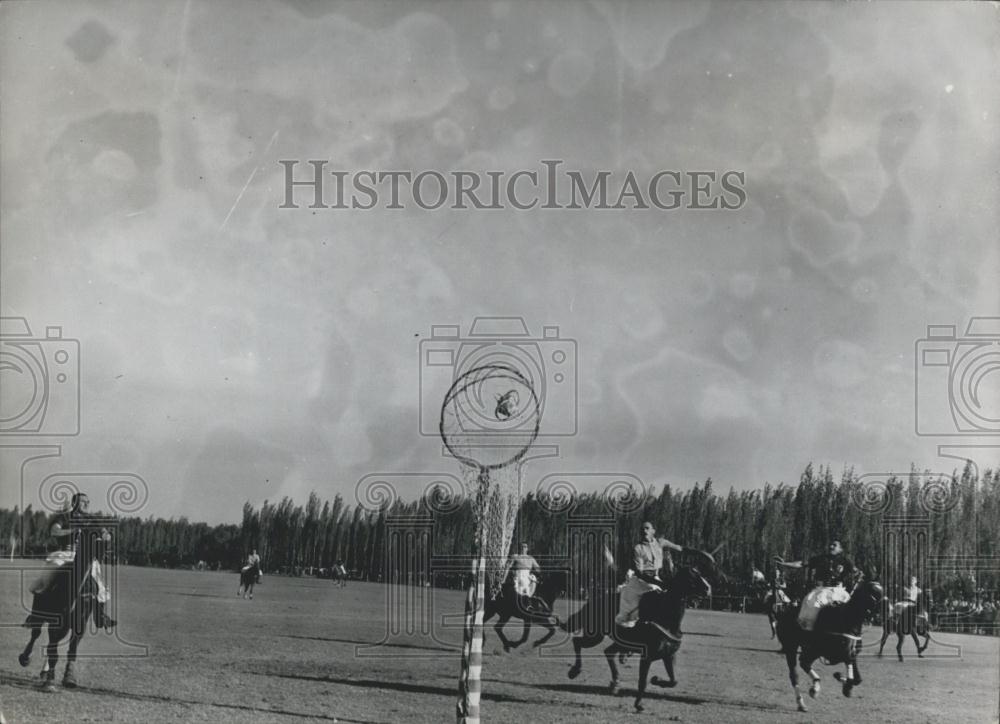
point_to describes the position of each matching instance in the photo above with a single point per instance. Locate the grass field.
(197, 652)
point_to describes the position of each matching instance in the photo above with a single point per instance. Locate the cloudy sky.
(231, 350)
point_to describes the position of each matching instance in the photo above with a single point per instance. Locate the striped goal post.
(489, 420)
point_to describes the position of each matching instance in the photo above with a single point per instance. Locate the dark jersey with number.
(829, 570)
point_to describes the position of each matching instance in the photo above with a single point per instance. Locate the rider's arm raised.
(794, 565)
(664, 543)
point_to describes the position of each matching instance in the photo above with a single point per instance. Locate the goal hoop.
(489, 420)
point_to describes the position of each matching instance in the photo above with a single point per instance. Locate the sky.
(228, 350)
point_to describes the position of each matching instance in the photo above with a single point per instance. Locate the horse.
(904, 619)
(339, 575)
(530, 609)
(65, 606)
(656, 636)
(836, 637)
(249, 576)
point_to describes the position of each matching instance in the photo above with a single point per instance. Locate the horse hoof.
(802, 707)
(24, 659)
(639, 708)
(573, 672)
(47, 685)
(814, 690)
(69, 680)
(613, 688)
(663, 683)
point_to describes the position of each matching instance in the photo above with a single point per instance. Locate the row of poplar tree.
(746, 528)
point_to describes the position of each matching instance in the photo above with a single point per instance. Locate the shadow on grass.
(387, 644)
(651, 693)
(449, 691)
(32, 684)
(654, 692)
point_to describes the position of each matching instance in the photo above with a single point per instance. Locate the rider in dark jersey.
(832, 577)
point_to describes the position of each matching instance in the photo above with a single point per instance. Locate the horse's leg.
(609, 654)
(498, 627)
(793, 676)
(668, 664)
(885, 635)
(52, 657)
(770, 621)
(806, 661)
(251, 590)
(525, 632)
(69, 676)
(916, 641)
(927, 640)
(25, 657)
(580, 643)
(899, 644)
(551, 632)
(574, 670)
(644, 663)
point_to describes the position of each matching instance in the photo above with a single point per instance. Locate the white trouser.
(631, 592)
(817, 599)
(524, 582)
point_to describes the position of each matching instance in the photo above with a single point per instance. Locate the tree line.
(746, 528)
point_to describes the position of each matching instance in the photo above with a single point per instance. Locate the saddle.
(830, 621)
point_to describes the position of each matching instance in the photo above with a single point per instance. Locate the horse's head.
(690, 582)
(551, 586)
(868, 594)
(691, 577)
(866, 598)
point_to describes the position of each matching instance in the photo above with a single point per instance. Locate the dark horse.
(530, 609)
(836, 637)
(248, 577)
(657, 635)
(65, 606)
(904, 619)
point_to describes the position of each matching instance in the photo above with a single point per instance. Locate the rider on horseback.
(832, 573)
(647, 560)
(68, 530)
(525, 570)
(253, 561)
